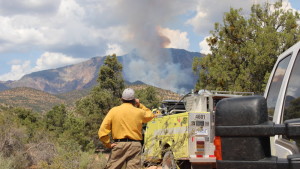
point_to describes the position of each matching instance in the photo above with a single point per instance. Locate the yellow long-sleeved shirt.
(124, 121)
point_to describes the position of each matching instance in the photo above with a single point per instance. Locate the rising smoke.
(150, 62)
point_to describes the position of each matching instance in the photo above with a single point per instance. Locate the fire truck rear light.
(199, 156)
(212, 156)
(218, 150)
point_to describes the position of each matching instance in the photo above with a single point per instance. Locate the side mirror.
(244, 130)
(232, 118)
(292, 128)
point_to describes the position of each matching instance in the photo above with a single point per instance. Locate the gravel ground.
(154, 167)
(151, 167)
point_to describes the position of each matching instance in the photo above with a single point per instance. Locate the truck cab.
(269, 124)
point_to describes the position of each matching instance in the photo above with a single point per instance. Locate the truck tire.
(169, 161)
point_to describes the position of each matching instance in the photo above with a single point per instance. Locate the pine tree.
(110, 76)
(245, 48)
(105, 95)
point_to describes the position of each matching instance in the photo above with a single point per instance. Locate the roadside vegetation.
(62, 138)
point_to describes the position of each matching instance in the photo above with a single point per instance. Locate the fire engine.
(182, 135)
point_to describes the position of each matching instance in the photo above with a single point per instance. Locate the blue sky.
(37, 35)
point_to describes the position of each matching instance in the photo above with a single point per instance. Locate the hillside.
(162, 94)
(71, 97)
(40, 101)
(29, 98)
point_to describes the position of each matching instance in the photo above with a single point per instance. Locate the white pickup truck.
(263, 132)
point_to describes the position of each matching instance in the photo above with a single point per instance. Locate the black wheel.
(169, 161)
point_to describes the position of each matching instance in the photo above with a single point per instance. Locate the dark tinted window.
(276, 84)
(292, 96)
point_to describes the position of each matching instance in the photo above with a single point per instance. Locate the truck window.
(292, 96)
(276, 84)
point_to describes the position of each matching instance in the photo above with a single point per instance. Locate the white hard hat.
(128, 94)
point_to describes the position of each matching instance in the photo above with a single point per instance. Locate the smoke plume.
(150, 62)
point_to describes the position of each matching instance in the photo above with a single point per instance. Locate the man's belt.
(126, 140)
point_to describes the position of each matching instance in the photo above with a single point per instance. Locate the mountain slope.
(64, 79)
(84, 75)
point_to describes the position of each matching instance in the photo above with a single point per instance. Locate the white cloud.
(70, 9)
(17, 71)
(204, 48)
(177, 38)
(114, 49)
(12, 34)
(51, 60)
(69, 25)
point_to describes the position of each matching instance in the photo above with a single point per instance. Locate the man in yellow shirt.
(124, 122)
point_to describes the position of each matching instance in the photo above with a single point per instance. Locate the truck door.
(283, 99)
(291, 106)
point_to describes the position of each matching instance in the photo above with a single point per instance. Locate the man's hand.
(112, 145)
(137, 102)
(157, 115)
